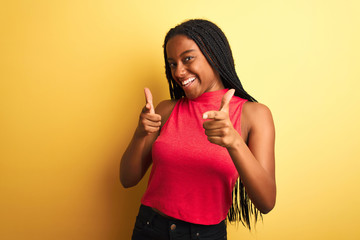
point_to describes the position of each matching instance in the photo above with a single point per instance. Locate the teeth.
(186, 82)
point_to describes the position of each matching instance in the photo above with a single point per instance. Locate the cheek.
(205, 71)
(172, 73)
(198, 69)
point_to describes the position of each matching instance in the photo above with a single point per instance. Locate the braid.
(215, 47)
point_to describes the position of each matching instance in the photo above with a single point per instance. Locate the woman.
(200, 143)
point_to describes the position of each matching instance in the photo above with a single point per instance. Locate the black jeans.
(150, 225)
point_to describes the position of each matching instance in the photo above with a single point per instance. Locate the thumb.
(224, 107)
(149, 100)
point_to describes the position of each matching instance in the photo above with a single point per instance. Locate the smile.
(188, 81)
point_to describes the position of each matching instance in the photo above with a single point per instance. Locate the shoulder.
(257, 117)
(164, 109)
(256, 109)
(165, 106)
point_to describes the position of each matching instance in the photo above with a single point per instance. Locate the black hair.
(215, 47)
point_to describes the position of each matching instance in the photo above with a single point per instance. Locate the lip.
(186, 82)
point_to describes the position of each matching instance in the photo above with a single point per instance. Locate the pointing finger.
(209, 115)
(217, 115)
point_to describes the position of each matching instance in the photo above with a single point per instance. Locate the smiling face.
(189, 67)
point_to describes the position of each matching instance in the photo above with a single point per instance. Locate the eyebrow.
(187, 51)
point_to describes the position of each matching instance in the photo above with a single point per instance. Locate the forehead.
(179, 44)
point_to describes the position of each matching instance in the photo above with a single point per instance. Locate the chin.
(191, 95)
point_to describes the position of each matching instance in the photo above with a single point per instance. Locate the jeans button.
(173, 227)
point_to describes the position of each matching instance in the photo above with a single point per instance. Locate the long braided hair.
(215, 47)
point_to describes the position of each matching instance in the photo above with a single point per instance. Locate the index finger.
(216, 115)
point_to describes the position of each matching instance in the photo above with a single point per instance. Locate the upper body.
(187, 168)
(251, 147)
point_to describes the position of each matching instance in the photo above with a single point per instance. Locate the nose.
(179, 71)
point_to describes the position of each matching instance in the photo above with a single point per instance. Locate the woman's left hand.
(219, 128)
(255, 162)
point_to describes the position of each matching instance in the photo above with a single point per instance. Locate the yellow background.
(72, 76)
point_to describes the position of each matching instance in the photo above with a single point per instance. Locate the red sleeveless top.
(192, 179)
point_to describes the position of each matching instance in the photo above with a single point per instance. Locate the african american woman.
(211, 146)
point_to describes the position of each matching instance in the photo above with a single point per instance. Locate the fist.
(218, 128)
(149, 121)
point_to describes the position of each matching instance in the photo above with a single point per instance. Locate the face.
(189, 67)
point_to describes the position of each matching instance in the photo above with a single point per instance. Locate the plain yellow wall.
(72, 76)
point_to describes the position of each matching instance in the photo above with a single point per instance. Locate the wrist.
(236, 143)
(140, 133)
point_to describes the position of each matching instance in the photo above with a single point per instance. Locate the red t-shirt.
(192, 179)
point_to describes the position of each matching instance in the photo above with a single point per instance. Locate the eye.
(186, 59)
(172, 65)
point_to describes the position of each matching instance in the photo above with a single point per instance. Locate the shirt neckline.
(213, 96)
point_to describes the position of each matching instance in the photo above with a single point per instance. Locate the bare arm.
(255, 162)
(137, 157)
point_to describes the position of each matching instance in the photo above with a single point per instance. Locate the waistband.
(153, 219)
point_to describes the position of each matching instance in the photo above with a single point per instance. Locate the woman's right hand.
(137, 156)
(149, 121)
